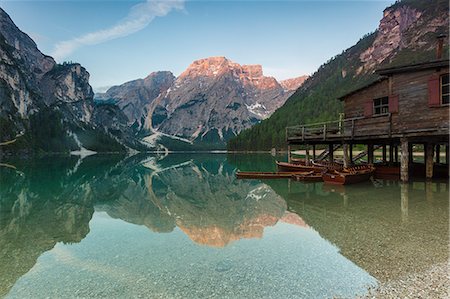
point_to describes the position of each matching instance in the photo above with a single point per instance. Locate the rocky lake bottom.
(182, 226)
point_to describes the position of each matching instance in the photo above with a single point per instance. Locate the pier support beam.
(404, 197)
(429, 151)
(307, 159)
(351, 153)
(391, 154)
(404, 163)
(331, 152)
(346, 159)
(384, 153)
(289, 153)
(314, 151)
(370, 153)
(447, 155)
(396, 154)
(438, 153)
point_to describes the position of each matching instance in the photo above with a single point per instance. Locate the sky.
(118, 40)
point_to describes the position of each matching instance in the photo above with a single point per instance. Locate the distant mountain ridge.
(406, 34)
(211, 101)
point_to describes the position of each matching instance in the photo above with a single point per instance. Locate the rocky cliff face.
(406, 35)
(135, 97)
(212, 100)
(294, 83)
(405, 26)
(44, 105)
(216, 98)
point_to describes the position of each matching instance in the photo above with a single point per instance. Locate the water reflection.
(52, 200)
(386, 228)
(202, 198)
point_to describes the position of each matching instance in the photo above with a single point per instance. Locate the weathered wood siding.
(414, 111)
(355, 103)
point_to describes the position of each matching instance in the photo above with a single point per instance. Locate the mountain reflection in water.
(386, 228)
(53, 200)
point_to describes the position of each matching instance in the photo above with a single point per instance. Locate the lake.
(182, 226)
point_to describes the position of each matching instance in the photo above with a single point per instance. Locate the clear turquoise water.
(182, 226)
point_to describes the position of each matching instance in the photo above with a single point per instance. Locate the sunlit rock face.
(404, 27)
(212, 100)
(215, 98)
(204, 200)
(212, 207)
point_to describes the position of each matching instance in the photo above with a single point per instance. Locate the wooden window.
(445, 89)
(381, 106)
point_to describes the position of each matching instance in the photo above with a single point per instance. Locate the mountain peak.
(293, 83)
(208, 67)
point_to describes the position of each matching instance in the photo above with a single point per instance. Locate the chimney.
(440, 45)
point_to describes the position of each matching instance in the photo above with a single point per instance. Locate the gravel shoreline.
(432, 283)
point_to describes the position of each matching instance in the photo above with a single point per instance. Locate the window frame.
(441, 87)
(381, 106)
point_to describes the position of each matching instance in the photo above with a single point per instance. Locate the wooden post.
(429, 190)
(384, 153)
(447, 155)
(396, 154)
(391, 154)
(331, 152)
(289, 153)
(411, 152)
(429, 151)
(350, 154)
(404, 165)
(404, 197)
(314, 152)
(345, 150)
(438, 153)
(307, 160)
(370, 153)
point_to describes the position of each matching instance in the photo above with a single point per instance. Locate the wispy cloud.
(139, 17)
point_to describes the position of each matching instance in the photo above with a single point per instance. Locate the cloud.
(139, 17)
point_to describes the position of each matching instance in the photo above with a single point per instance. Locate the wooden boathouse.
(406, 107)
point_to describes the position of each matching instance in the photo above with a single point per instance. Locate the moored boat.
(291, 167)
(310, 176)
(263, 175)
(350, 175)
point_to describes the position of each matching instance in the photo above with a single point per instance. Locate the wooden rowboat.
(348, 176)
(310, 176)
(291, 167)
(264, 175)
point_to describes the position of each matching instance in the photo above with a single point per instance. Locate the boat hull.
(316, 177)
(290, 167)
(263, 175)
(345, 178)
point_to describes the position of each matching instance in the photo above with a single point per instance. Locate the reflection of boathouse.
(406, 106)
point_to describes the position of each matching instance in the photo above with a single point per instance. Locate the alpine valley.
(50, 107)
(212, 100)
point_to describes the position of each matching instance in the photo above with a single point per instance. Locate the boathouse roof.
(379, 79)
(387, 71)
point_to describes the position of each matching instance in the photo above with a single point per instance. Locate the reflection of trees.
(39, 208)
(52, 200)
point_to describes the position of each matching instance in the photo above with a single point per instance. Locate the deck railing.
(344, 128)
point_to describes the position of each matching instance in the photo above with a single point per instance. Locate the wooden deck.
(358, 129)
